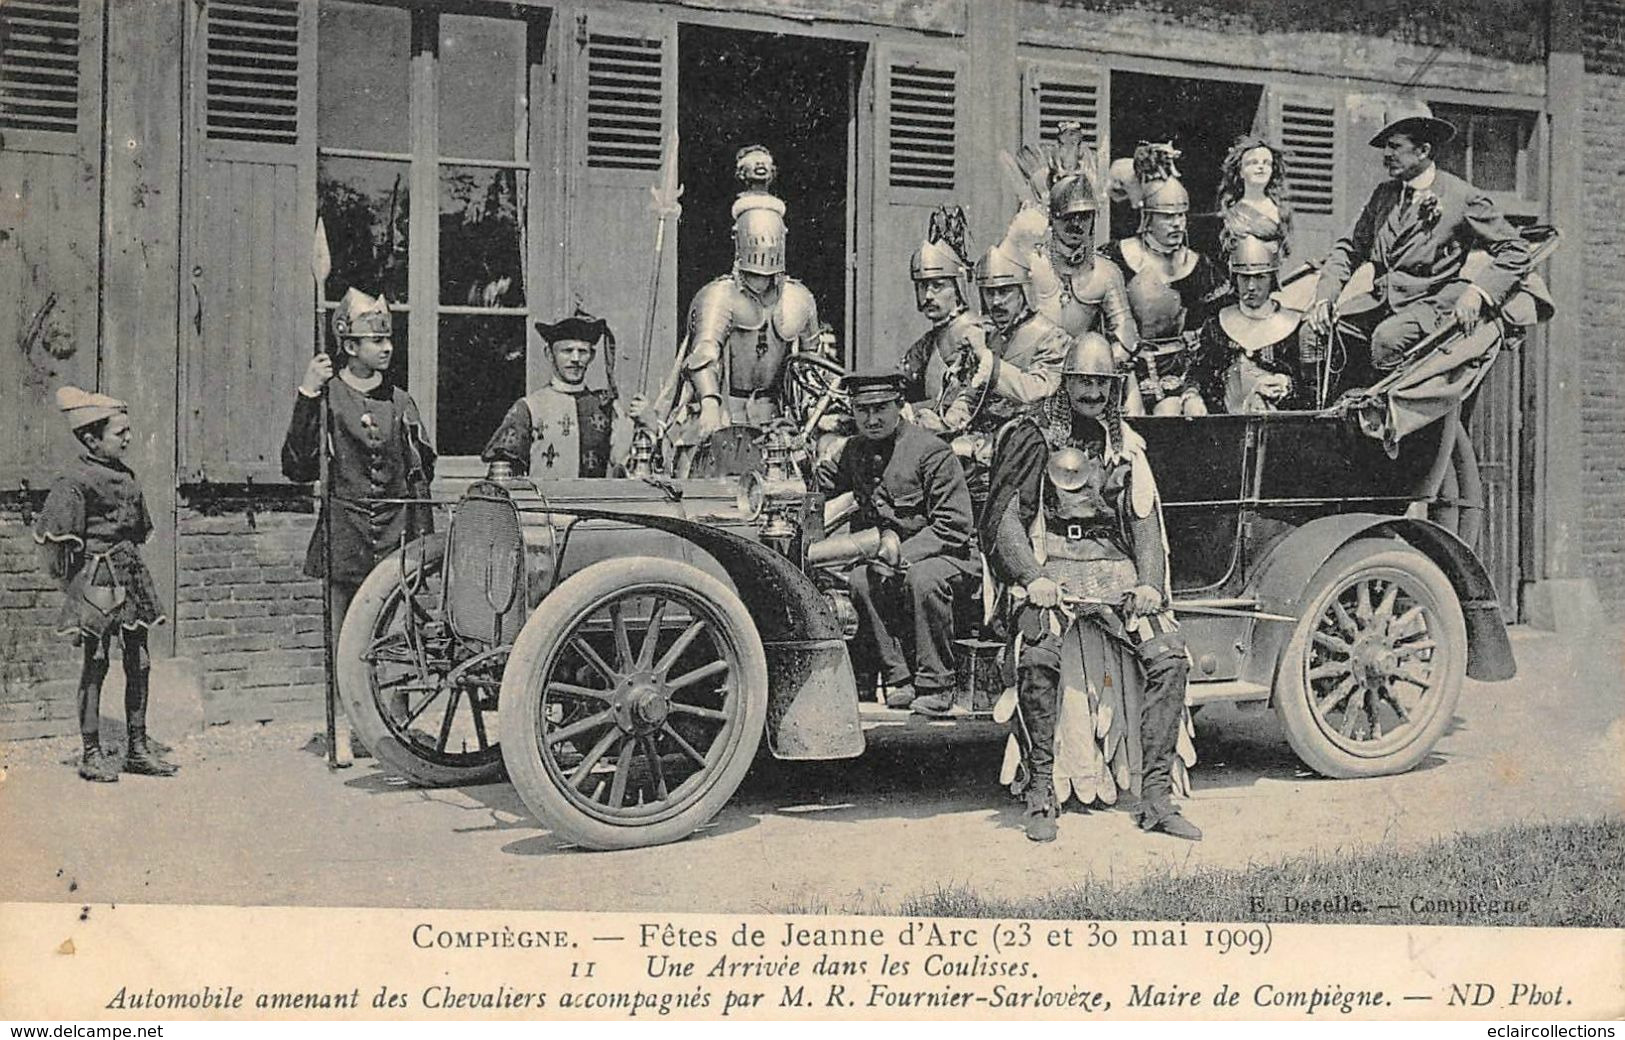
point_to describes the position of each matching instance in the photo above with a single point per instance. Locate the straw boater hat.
(84, 407)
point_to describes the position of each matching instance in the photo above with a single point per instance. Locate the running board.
(1226, 690)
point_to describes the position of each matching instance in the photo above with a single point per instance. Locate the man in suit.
(1416, 230)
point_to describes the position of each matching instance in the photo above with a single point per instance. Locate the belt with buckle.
(1077, 532)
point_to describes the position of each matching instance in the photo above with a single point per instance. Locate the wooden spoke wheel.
(424, 706)
(1372, 674)
(633, 703)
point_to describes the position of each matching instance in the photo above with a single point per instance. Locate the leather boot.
(900, 696)
(1042, 820)
(1160, 814)
(95, 765)
(143, 760)
(936, 703)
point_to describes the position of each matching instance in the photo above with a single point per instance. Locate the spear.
(665, 194)
(321, 264)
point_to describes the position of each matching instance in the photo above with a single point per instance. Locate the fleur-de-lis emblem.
(565, 424)
(550, 456)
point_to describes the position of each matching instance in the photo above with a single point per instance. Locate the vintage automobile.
(622, 647)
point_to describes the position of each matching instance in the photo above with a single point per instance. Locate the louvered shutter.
(247, 297)
(50, 197)
(1053, 93)
(626, 105)
(920, 163)
(1307, 124)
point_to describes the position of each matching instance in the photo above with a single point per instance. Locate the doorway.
(793, 94)
(1202, 117)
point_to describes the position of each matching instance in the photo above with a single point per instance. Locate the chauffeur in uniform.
(1073, 526)
(565, 429)
(741, 327)
(1416, 230)
(906, 482)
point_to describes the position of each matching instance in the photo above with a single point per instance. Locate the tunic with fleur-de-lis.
(562, 432)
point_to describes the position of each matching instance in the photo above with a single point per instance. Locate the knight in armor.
(1073, 286)
(1073, 530)
(741, 328)
(1172, 289)
(941, 276)
(1247, 357)
(1019, 366)
(566, 429)
(908, 484)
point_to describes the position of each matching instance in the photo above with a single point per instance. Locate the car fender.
(812, 710)
(1287, 570)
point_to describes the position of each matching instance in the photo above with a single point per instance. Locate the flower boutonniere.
(1427, 207)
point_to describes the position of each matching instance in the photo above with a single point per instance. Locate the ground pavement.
(255, 817)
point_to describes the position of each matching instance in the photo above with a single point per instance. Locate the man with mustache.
(1416, 230)
(908, 485)
(1073, 529)
(941, 277)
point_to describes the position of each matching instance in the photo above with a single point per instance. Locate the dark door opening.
(794, 95)
(1202, 117)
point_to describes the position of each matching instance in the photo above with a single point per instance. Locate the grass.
(1557, 874)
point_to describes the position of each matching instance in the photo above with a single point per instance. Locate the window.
(1492, 151)
(424, 178)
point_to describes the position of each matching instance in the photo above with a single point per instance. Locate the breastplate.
(755, 359)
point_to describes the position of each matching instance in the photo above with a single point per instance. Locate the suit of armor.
(737, 342)
(1083, 294)
(926, 364)
(1026, 373)
(1248, 364)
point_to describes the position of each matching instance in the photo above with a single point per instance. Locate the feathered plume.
(948, 226)
(1034, 170)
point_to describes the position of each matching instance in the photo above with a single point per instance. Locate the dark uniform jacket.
(1420, 249)
(910, 483)
(379, 451)
(88, 531)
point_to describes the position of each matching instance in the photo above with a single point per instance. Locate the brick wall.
(1602, 406)
(38, 668)
(246, 613)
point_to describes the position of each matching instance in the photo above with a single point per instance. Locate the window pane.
(482, 236)
(1496, 138)
(364, 97)
(481, 85)
(364, 205)
(482, 372)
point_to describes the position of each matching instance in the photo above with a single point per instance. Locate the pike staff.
(321, 264)
(664, 195)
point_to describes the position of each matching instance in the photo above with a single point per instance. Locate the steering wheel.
(811, 384)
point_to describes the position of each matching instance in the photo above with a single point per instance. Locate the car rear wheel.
(424, 715)
(633, 703)
(1372, 674)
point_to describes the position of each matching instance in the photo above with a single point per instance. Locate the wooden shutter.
(1307, 124)
(247, 298)
(1053, 93)
(625, 73)
(919, 156)
(50, 229)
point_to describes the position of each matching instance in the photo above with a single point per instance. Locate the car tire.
(1370, 679)
(631, 772)
(377, 613)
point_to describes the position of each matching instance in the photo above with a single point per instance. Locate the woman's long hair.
(1232, 190)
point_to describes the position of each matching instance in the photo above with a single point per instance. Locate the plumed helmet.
(1166, 196)
(1074, 194)
(759, 236)
(936, 260)
(359, 315)
(1090, 355)
(1250, 255)
(1000, 266)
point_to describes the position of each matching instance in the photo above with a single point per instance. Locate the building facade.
(486, 165)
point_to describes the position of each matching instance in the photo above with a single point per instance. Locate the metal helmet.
(361, 316)
(1090, 355)
(1251, 255)
(938, 260)
(1165, 196)
(1000, 266)
(759, 236)
(1073, 194)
